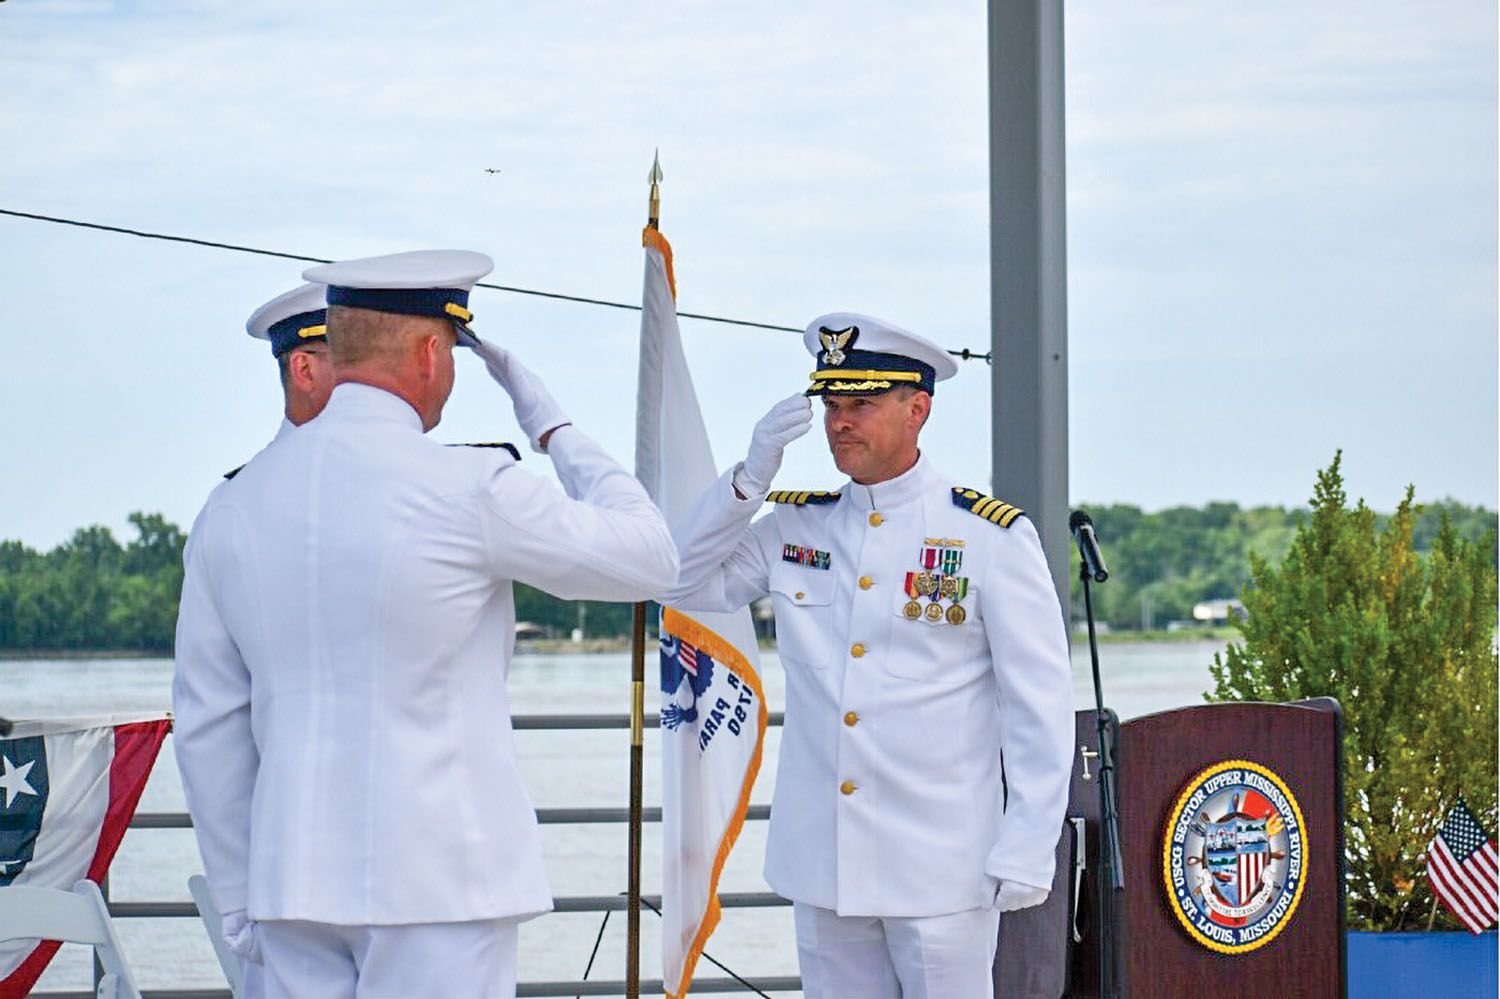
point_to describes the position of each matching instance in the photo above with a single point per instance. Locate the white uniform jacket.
(889, 797)
(345, 631)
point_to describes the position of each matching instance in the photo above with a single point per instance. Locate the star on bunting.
(13, 779)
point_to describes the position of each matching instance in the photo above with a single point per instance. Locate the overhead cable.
(965, 354)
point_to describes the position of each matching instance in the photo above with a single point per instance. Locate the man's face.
(874, 437)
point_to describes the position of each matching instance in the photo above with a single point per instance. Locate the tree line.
(92, 593)
(1162, 564)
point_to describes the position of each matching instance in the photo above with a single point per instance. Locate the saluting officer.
(346, 626)
(924, 762)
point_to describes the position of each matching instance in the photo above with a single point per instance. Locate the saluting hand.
(785, 422)
(536, 411)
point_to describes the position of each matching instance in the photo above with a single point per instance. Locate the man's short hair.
(359, 336)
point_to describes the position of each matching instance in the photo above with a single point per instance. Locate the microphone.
(1082, 529)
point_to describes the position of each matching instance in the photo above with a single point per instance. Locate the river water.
(569, 768)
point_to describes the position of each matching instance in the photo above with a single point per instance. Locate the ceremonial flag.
(1461, 865)
(68, 788)
(713, 711)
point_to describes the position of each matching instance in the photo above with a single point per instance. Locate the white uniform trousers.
(466, 960)
(896, 957)
(252, 980)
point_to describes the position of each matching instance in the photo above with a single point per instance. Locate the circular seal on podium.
(1234, 856)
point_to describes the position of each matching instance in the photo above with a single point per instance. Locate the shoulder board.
(232, 472)
(803, 497)
(993, 510)
(514, 452)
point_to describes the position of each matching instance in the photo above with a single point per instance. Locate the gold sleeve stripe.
(986, 507)
(801, 497)
(991, 509)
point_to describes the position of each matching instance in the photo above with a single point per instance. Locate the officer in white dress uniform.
(345, 630)
(294, 324)
(924, 763)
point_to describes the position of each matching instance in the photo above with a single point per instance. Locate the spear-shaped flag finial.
(654, 212)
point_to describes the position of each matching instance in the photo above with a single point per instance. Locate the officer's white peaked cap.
(415, 283)
(453, 269)
(290, 319)
(856, 354)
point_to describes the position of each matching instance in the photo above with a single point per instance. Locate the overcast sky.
(1281, 225)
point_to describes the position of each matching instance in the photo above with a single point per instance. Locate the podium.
(1231, 830)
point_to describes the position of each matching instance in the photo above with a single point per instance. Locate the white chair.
(213, 923)
(77, 916)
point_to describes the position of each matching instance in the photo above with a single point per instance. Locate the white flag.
(713, 711)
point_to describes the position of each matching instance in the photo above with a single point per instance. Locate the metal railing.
(564, 903)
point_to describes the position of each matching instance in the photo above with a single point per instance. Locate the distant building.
(525, 630)
(1218, 611)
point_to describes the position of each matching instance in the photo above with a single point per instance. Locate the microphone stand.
(1111, 866)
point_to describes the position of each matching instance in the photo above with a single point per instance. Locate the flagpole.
(637, 717)
(637, 724)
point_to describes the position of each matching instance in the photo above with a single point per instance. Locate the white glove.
(536, 411)
(787, 420)
(239, 933)
(1014, 895)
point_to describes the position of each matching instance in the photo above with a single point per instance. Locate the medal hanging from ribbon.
(913, 608)
(937, 580)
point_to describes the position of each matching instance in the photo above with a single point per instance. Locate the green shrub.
(1406, 644)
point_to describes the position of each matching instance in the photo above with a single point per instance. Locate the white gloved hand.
(787, 420)
(1014, 895)
(239, 933)
(536, 411)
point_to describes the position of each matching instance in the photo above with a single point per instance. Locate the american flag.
(1251, 866)
(1461, 865)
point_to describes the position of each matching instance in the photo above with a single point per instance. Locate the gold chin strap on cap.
(834, 379)
(308, 332)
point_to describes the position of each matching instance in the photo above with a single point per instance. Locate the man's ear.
(921, 407)
(299, 367)
(427, 354)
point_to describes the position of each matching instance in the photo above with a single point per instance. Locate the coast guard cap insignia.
(1234, 856)
(834, 342)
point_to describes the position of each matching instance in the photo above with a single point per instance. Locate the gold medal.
(956, 614)
(926, 583)
(948, 587)
(934, 611)
(912, 610)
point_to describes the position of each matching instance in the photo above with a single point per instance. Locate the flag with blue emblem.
(68, 788)
(713, 711)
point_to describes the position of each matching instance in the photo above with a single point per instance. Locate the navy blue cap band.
(296, 331)
(406, 301)
(861, 371)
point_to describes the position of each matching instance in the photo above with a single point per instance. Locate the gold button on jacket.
(851, 719)
(847, 787)
(857, 651)
(876, 520)
(865, 582)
